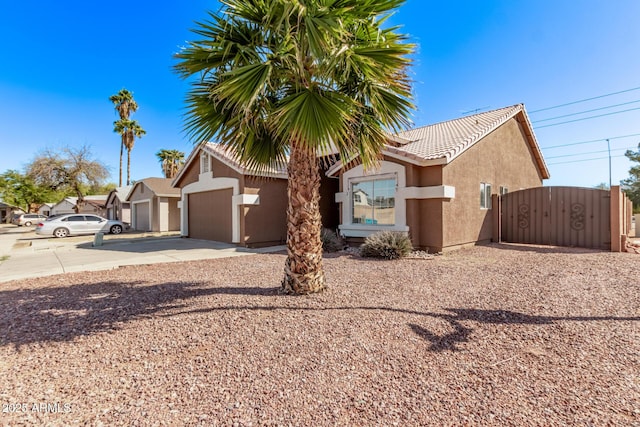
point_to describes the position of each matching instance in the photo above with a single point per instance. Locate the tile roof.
(449, 139)
(160, 186)
(92, 199)
(277, 169)
(439, 143)
(442, 142)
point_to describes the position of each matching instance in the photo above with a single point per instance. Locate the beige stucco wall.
(424, 217)
(155, 213)
(190, 174)
(174, 214)
(265, 223)
(140, 192)
(172, 222)
(502, 158)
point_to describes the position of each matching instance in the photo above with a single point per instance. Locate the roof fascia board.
(242, 170)
(187, 163)
(533, 142)
(413, 160)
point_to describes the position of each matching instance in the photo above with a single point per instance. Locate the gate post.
(616, 218)
(496, 207)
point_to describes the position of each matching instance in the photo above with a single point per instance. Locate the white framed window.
(485, 195)
(373, 201)
(205, 163)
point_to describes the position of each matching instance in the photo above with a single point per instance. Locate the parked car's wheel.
(27, 224)
(116, 229)
(60, 232)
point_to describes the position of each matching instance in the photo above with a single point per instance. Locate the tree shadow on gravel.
(57, 314)
(60, 314)
(459, 334)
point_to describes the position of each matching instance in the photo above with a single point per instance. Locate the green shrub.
(387, 244)
(331, 242)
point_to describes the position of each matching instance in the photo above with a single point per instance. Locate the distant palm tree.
(171, 161)
(124, 105)
(282, 80)
(128, 130)
(120, 127)
(133, 131)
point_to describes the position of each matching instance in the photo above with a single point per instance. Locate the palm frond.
(324, 73)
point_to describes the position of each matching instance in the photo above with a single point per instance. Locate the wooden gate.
(560, 216)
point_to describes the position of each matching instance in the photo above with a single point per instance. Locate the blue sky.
(62, 60)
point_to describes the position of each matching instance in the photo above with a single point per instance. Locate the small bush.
(331, 242)
(386, 244)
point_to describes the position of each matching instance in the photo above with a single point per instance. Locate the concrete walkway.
(23, 254)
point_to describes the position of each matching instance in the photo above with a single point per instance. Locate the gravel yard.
(493, 335)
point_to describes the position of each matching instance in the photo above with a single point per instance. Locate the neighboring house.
(117, 205)
(8, 211)
(64, 206)
(93, 204)
(154, 205)
(436, 182)
(45, 209)
(225, 201)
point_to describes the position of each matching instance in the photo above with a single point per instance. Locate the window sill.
(364, 230)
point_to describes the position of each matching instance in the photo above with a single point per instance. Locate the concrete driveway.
(24, 254)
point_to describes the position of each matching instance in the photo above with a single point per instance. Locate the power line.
(583, 160)
(586, 111)
(589, 152)
(584, 100)
(591, 141)
(587, 118)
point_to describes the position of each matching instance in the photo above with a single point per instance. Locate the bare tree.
(68, 169)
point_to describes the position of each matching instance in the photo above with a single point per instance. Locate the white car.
(27, 219)
(74, 224)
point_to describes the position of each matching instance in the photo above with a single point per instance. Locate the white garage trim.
(134, 209)
(163, 212)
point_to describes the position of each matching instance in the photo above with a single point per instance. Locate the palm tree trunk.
(121, 150)
(128, 166)
(303, 269)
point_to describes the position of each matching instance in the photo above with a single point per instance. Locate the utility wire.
(587, 118)
(590, 141)
(584, 100)
(589, 152)
(586, 111)
(583, 160)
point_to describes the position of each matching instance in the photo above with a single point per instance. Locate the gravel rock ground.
(496, 335)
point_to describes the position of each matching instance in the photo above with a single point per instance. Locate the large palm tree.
(171, 161)
(124, 105)
(287, 80)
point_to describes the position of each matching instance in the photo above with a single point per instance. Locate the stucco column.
(616, 219)
(496, 232)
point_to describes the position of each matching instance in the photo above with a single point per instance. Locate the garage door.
(210, 215)
(142, 216)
